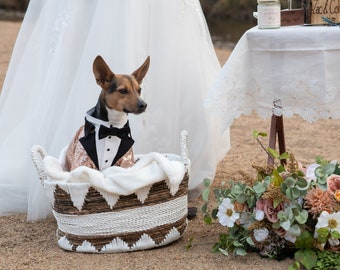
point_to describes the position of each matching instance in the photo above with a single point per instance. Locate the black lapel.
(124, 146)
(89, 142)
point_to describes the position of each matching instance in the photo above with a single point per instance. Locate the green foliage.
(235, 241)
(294, 187)
(322, 173)
(327, 260)
(305, 241)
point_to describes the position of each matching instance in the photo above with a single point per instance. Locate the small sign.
(324, 8)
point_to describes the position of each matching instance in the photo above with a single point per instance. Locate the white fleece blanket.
(149, 169)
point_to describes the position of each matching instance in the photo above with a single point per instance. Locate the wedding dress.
(49, 86)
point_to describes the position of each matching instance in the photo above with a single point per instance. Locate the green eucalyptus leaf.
(289, 182)
(293, 193)
(259, 188)
(250, 241)
(251, 201)
(322, 181)
(302, 217)
(240, 251)
(267, 180)
(302, 183)
(282, 216)
(217, 193)
(289, 212)
(322, 186)
(286, 225)
(241, 198)
(295, 230)
(329, 168)
(205, 194)
(289, 193)
(204, 208)
(223, 251)
(295, 211)
(237, 189)
(237, 244)
(206, 182)
(319, 172)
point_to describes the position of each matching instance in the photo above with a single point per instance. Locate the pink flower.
(267, 206)
(333, 183)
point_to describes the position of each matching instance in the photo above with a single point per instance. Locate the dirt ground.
(32, 245)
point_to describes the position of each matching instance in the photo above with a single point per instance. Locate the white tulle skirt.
(49, 86)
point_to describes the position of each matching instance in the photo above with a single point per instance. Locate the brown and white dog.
(105, 139)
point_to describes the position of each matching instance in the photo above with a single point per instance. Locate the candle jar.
(268, 14)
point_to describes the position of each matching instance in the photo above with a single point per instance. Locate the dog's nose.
(141, 105)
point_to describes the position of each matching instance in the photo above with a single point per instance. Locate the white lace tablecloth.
(300, 65)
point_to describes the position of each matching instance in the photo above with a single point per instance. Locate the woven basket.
(106, 223)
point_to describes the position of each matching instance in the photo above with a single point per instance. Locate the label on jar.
(269, 16)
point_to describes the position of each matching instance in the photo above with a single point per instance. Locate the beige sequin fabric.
(76, 155)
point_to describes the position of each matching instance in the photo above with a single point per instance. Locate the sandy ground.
(27, 245)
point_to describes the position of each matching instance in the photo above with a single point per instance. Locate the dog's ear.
(101, 71)
(140, 73)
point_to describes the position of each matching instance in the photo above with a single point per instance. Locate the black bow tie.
(121, 133)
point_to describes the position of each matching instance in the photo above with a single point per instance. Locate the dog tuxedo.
(100, 144)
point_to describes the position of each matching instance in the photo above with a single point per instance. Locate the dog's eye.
(123, 91)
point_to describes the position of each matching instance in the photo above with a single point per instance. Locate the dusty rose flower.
(267, 206)
(318, 200)
(333, 183)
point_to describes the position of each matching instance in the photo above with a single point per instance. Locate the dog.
(105, 138)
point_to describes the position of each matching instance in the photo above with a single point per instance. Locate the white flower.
(261, 234)
(226, 213)
(331, 221)
(259, 215)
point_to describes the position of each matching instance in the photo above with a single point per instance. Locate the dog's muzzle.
(141, 107)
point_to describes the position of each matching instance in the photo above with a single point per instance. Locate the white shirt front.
(107, 147)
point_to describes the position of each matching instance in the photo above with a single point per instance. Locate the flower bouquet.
(285, 210)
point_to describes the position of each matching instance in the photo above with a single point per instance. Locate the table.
(298, 65)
